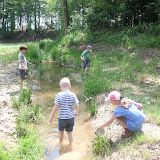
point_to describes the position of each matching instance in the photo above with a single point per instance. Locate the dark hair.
(23, 47)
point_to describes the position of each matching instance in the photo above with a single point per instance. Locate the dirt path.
(8, 86)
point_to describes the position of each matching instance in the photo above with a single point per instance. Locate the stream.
(83, 132)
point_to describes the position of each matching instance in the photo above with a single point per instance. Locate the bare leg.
(122, 121)
(83, 70)
(61, 134)
(70, 137)
(21, 83)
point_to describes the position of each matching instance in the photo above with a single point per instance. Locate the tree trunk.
(12, 21)
(65, 15)
(35, 16)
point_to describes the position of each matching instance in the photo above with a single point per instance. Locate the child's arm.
(94, 56)
(76, 109)
(139, 105)
(108, 122)
(54, 110)
(23, 66)
(81, 57)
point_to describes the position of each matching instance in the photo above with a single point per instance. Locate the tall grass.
(29, 147)
(102, 146)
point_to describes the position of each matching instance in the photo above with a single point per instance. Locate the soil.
(9, 85)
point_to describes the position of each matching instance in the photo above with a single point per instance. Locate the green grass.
(30, 113)
(29, 147)
(102, 147)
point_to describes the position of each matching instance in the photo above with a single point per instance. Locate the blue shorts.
(85, 63)
(22, 73)
(66, 124)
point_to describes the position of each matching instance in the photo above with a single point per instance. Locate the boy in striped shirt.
(64, 103)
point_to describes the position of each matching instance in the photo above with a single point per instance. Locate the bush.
(33, 53)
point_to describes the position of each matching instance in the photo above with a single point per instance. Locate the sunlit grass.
(28, 147)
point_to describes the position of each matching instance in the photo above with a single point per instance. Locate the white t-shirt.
(22, 59)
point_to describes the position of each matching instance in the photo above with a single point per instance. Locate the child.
(85, 57)
(64, 103)
(128, 114)
(22, 64)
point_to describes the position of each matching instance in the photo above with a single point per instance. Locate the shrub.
(33, 53)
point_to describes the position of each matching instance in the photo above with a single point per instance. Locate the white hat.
(113, 96)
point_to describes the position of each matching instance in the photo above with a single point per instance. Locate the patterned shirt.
(66, 100)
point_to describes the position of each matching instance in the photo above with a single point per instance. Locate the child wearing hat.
(85, 57)
(128, 113)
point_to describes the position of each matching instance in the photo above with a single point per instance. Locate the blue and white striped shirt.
(66, 100)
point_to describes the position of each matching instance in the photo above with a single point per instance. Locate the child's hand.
(75, 112)
(100, 127)
(26, 69)
(94, 57)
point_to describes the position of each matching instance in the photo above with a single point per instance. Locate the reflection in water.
(83, 133)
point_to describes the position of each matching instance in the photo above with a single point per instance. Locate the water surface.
(83, 133)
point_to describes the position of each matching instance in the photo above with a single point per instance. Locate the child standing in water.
(64, 103)
(85, 57)
(22, 64)
(128, 114)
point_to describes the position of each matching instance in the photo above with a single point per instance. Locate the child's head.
(114, 97)
(65, 83)
(89, 48)
(23, 49)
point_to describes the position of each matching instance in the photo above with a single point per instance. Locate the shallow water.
(83, 133)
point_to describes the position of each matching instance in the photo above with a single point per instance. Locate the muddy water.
(83, 133)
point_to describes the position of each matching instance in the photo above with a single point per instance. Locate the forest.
(77, 14)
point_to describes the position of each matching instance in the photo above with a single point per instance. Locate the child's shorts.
(85, 63)
(22, 73)
(66, 124)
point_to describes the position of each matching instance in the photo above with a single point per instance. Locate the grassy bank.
(28, 143)
(127, 60)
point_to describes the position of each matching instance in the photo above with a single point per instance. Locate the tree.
(65, 15)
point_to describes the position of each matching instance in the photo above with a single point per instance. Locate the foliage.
(33, 53)
(25, 96)
(102, 146)
(30, 114)
(4, 154)
(30, 146)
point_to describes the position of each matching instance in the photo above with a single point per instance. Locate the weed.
(4, 154)
(92, 106)
(31, 147)
(15, 103)
(21, 130)
(25, 96)
(66, 72)
(30, 114)
(102, 146)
